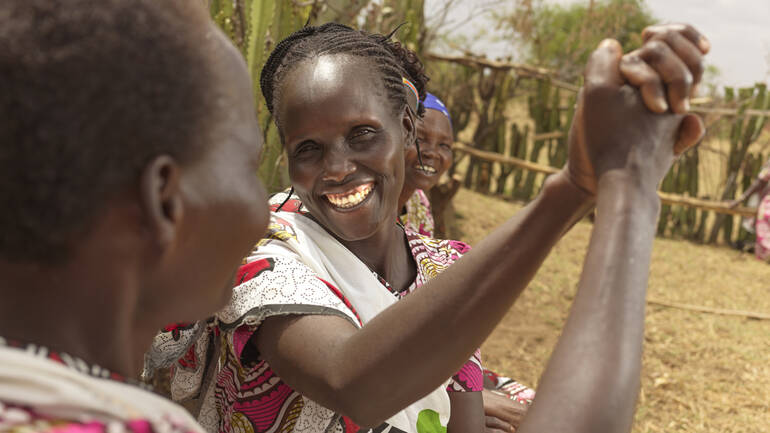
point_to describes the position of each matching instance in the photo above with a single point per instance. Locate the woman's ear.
(161, 199)
(409, 123)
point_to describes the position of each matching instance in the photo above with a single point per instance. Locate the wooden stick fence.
(520, 68)
(543, 73)
(708, 205)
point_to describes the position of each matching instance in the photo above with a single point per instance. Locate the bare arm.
(467, 412)
(592, 377)
(593, 374)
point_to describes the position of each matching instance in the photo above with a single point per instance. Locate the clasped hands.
(632, 116)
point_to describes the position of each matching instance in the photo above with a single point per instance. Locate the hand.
(668, 67)
(614, 131)
(732, 204)
(672, 57)
(502, 414)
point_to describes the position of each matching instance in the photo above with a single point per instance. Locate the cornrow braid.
(390, 58)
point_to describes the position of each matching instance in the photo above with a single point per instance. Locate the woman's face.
(344, 143)
(434, 133)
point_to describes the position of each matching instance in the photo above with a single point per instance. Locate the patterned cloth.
(418, 217)
(236, 390)
(46, 391)
(512, 389)
(762, 222)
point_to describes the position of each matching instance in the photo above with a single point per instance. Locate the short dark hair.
(90, 91)
(391, 59)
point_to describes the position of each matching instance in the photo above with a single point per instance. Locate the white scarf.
(334, 263)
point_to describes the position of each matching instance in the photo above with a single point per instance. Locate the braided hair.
(391, 59)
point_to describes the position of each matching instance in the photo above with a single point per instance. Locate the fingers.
(691, 130)
(603, 65)
(641, 75)
(669, 65)
(686, 30)
(687, 51)
(673, 73)
(494, 424)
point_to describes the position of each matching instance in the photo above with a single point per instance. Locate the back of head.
(90, 90)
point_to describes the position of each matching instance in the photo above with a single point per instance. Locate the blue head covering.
(433, 103)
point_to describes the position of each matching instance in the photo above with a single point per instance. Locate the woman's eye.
(305, 148)
(446, 146)
(363, 132)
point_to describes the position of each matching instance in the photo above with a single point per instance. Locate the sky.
(739, 31)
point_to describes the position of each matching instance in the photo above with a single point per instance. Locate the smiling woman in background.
(426, 162)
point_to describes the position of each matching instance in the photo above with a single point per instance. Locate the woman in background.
(426, 162)
(505, 400)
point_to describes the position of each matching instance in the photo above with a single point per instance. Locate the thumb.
(691, 130)
(603, 67)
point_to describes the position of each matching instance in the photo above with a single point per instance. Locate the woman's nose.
(337, 166)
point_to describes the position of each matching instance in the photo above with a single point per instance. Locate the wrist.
(620, 191)
(562, 197)
(561, 184)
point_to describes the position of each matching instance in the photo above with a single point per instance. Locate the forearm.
(593, 376)
(443, 322)
(467, 412)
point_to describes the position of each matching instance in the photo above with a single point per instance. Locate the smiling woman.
(320, 334)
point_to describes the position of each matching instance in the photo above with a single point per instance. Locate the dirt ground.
(701, 372)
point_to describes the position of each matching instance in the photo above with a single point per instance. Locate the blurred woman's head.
(345, 103)
(432, 156)
(129, 153)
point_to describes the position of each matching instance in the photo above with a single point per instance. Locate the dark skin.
(178, 231)
(435, 136)
(331, 362)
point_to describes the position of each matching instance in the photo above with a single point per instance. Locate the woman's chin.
(351, 225)
(421, 180)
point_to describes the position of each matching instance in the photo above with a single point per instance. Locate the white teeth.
(426, 169)
(350, 198)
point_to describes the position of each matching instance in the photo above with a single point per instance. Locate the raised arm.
(602, 339)
(410, 348)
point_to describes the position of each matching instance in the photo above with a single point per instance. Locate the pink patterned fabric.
(514, 390)
(418, 217)
(16, 419)
(71, 415)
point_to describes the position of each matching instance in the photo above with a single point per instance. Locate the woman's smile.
(350, 199)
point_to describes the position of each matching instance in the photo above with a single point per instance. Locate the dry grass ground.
(701, 372)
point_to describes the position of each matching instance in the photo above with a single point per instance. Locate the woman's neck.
(61, 311)
(387, 253)
(406, 193)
